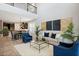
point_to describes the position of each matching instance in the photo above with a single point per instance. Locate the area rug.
(26, 50)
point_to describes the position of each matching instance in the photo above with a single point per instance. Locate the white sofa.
(57, 39)
(50, 40)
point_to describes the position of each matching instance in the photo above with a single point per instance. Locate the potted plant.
(69, 35)
(37, 30)
(5, 31)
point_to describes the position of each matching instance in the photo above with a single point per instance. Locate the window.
(32, 7)
(12, 4)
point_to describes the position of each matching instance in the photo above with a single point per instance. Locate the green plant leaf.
(68, 34)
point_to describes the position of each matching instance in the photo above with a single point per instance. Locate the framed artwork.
(24, 25)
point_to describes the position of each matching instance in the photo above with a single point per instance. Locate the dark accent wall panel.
(56, 25)
(49, 25)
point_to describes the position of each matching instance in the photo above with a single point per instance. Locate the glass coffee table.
(39, 45)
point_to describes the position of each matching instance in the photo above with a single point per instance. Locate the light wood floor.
(7, 46)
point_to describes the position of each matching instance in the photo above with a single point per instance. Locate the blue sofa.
(64, 51)
(26, 37)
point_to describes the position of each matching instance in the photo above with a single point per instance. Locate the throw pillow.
(46, 34)
(53, 35)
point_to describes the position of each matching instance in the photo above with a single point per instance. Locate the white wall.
(53, 11)
(31, 25)
(76, 24)
(21, 5)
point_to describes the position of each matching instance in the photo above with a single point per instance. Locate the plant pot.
(68, 41)
(67, 45)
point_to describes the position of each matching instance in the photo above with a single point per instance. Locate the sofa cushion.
(53, 35)
(46, 34)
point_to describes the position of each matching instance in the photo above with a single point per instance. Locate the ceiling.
(12, 14)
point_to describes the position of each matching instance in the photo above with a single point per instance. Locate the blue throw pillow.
(46, 34)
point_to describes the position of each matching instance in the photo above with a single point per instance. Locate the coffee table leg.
(48, 44)
(30, 44)
(39, 48)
